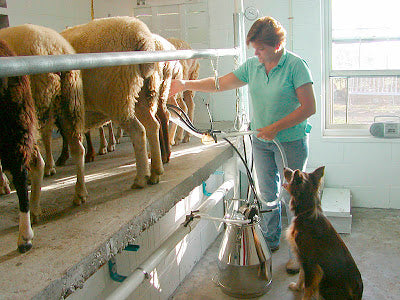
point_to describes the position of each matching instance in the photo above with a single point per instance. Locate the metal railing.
(27, 65)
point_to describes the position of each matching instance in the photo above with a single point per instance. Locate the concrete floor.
(374, 244)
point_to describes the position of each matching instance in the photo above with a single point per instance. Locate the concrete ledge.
(71, 243)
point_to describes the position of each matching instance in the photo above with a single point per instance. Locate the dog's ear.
(297, 176)
(287, 173)
(318, 174)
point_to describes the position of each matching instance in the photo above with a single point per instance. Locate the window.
(177, 18)
(362, 64)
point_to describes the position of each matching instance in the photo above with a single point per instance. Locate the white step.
(336, 206)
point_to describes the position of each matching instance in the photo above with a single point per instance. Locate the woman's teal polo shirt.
(273, 96)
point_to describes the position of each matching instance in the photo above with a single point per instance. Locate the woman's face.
(264, 52)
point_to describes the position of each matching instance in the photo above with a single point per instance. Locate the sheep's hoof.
(294, 287)
(49, 171)
(154, 179)
(62, 160)
(78, 200)
(89, 158)
(103, 151)
(5, 189)
(25, 247)
(165, 159)
(140, 183)
(111, 148)
(186, 139)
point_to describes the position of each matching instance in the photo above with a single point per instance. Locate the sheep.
(56, 96)
(18, 148)
(168, 70)
(125, 94)
(190, 72)
(104, 147)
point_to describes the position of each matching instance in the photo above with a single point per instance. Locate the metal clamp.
(189, 218)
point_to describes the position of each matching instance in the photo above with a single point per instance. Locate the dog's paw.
(294, 287)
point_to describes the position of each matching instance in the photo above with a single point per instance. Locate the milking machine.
(244, 258)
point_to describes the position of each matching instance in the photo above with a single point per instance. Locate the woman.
(282, 98)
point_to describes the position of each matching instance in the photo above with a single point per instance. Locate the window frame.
(330, 129)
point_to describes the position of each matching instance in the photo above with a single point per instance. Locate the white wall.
(366, 165)
(56, 14)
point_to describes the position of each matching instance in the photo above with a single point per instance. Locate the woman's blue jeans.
(269, 170)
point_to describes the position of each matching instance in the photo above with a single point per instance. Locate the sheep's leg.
(90, 153)
(64, 151)
(37, 170)
(49, 168)
(20, 179)
(162, 115)
(111, 138)
(103, 141)
(152, 132)
(188, 98)
(137, 134)
(78, 155)
(4, 183)
(118, 136)
(165, 147)
(179, 131)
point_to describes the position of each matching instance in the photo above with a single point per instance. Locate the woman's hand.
(268, 132)
(177, 86)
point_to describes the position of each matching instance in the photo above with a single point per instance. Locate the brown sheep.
(18, 149)
(125, 94)
(190, 72)
(56, 96)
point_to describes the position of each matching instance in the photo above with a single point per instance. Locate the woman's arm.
(305, 95)
(226, 82)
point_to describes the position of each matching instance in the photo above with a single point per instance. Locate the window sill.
(358, 139)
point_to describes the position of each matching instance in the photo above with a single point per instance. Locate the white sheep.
(168, 70)
(190, 72)
(104, 146)
(56, 96)
(125, 94)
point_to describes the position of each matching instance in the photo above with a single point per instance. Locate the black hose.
(184, 117)
(250, 178)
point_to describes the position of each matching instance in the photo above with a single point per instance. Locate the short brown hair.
(267, 30)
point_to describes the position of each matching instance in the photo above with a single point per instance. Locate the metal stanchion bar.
(27, 65)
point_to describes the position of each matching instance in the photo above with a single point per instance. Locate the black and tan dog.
(327, 268)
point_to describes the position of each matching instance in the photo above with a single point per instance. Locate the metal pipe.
(239, 43)
(27, 65)
(142, 272)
